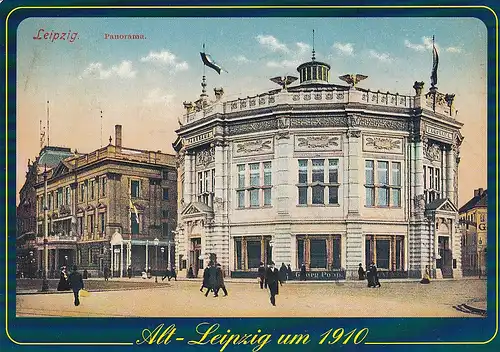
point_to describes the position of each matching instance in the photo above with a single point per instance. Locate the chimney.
(118, 135)
(481, 191)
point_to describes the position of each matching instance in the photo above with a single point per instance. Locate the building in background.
(322, 174)
(474, 227)
(26, 249)
(114, 207)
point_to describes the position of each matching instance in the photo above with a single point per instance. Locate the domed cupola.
(314, 71)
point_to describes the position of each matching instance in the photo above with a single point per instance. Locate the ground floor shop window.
(249, 252)
(319, 251)
(386, 251)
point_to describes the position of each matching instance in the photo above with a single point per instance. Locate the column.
(354, 235)
(56, 260)
(121, 259)
(450, 169)
(112, 259)
(147, 254)
(187, 179)
(282, 193)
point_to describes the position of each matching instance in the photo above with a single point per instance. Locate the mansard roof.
(478, 201)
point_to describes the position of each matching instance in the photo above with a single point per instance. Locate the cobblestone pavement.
(341, 299)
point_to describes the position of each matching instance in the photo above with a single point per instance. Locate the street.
(333, 299)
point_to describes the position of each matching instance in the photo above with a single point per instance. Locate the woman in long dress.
(427, 276)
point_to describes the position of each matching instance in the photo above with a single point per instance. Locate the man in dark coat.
(205, 283)
(283, 272)
(220, 282)
(106, 273)
(76, 282)
(262, 275)
(212, 280)
(361, 272)
(63, 281)
(272, 278)
(129, 272)
(303, 272)
(374, 275)
(190, 273)
(289, 273)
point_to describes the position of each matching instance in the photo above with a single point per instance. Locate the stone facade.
(106, 208)
(326, 175)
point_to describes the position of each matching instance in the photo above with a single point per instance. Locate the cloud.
(454, 49)
(271, 43)
(241, 59)
(344, 49)
(426, 44)
(382, 57)
(303, 48)
(97, 70)
(157, 96)
(165, 58)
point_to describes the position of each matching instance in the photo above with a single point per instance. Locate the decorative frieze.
(432, 152)
(383, 144)
(317, 143)
(253, 126)
(254, 147)
(205, 157)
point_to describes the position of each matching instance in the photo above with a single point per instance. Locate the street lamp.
(45, 282)
(162, 249)
(156, 243)
(480, 254)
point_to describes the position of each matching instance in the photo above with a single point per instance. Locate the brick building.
(106, 208)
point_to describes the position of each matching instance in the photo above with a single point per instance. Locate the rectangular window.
(164, 174)
(82, 192)
(333, 195)
(431, 178)
(254, 174)
(318, 170)
(102, 222)
(300, 252)
(302, 171)
(134, 188)
(238, 255)
(267, 196)
(396, 197)
(79, 223)
(207, 180)
(383, 172)
(103, 186)
(333, 171)
(318, 194)
(253, 254)
(90, 224)
(436, 182)
(241, 176)
(200, 183)
(369, 175)
(396, 174)
(337, 250)
(382, 248)
(318, 254)
(164, 229)
(241, 199)
(303, 195)
(383, 196)
(68, 196)
(267, 173)
(165, 194)
(370, 196)
(254, 198)
(92, 189)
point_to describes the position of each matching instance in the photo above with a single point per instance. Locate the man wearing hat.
(272, 278)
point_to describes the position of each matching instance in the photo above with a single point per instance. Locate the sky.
(141, 84)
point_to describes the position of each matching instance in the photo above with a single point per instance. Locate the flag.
(134, 209)
(208, 61)
(435, 61)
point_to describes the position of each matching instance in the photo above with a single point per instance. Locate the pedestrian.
(303, 272)
(129, 271)
(76, 282)
(63, 284)
(374, 274)
(148, 272)
(283, 272)
(190, 274)
(106, 273)
(262, 275)
(272, 278)
(205, 283)
(85, 274)
(427, 276)
(369, 276)
(212, 279)
(144, 273)
(220, 281)
(361, 272)
(289, 273)
(170, 274)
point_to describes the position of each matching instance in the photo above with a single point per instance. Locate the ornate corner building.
(322, 174)
(113, 207)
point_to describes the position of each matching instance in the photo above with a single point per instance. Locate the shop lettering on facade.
(322, 275)
(438, 132)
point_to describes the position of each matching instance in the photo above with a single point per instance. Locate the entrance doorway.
(444, 260)
(195, 254)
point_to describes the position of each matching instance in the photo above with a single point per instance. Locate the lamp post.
(480, 255)
(156, 242)
(162, 250)
(31, 267)
(45, 282)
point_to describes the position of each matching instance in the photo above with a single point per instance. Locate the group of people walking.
(73, 281)
(213, 280)
(370, 273)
